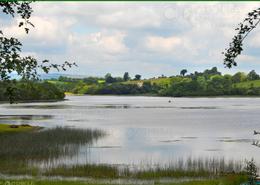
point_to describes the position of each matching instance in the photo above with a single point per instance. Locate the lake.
(150, 130)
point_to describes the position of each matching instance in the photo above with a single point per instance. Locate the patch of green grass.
(56, 82)
(101, 81)
(5, 128)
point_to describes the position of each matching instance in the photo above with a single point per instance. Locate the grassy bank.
(224, 180)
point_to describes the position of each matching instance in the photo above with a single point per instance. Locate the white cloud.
(163, 44)
(124, 36)
(140, 17)
(99, 42)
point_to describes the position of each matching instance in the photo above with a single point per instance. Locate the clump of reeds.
(207, 167)
(197, 167)
(45, 144)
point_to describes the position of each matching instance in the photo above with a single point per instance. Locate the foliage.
(126, 76)
(31, 90)
(210, 82)
(10, 50)
(251, 170)
(137, 77)
(183, 72)
(244, 28)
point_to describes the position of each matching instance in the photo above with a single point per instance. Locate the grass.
(87, 170)
(225, 180)
(20, 149)
(21, 152)
(188, 168)
(6, 128)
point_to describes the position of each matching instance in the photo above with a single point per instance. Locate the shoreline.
(150, 95)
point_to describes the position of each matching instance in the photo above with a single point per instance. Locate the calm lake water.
(150, 130)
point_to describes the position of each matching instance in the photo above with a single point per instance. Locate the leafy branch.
(10, 49)
(236, 45)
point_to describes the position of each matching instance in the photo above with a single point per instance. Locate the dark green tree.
(138, 77)
(183, 72)
(126, 76)
(109, 78)
(252, 75)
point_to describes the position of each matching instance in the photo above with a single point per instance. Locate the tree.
(109, 78)
(10, 49)
(126, 76)
(137, 77)
(183, 72)
(252, 75)
(244, 28)
(238, 77)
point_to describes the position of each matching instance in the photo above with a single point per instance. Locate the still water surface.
(150, 130)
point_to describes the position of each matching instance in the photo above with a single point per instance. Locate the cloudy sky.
(142, 38)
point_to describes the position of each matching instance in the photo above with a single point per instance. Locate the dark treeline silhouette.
(31, 91)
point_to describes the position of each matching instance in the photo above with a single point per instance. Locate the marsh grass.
(87, 170)
(19, 149)
(20, 152)
(197, 167)
(209, 167)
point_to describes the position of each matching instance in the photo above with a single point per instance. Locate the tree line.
(210, 82)
(30, 91)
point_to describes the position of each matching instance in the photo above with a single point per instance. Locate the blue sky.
(150, 39)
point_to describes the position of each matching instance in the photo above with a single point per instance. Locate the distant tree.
(244, 28)
(183, 72)
(109, 78)
(252, 75)
(137, 77)
(209, 72)
(238, 77)
(126, 76)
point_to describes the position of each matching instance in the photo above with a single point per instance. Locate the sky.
(150, 39)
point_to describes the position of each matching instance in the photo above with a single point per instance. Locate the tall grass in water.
(197, 167)
(207, 167)
(17, 149)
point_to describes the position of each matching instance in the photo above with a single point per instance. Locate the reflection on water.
(150, 129)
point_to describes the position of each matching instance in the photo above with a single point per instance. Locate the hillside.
(248, 84)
